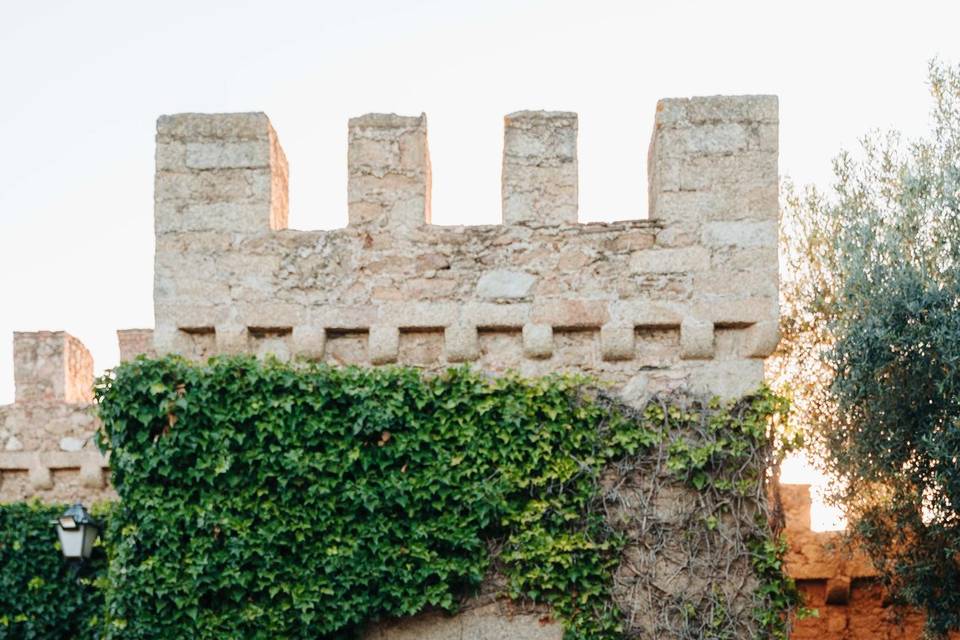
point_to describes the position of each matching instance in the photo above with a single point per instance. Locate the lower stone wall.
(864, 616)
(496, 620)
(840, 584)
(47, 453)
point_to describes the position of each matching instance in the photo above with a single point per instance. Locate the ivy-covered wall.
(269, 500)
(41, 596)
(277, 500)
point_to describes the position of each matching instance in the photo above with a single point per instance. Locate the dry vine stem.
(685, 570)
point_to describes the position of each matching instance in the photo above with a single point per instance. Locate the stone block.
(489, 315)
(571, 313)
(679, 234)
(309, 341)
(681, 260)
(418, 315)
(617, 341)
(232, 339)
(249, 154)
(383, 344)
(726, 379)
(388, 174)
(231, 160)
(539, 175)
(696, 339)
(70, 443)
(135, 342)
(171, 156)
(762, 338)
(228, 186)
(719, 138)
(732, 258)
(502, 283)
(259, 311)
(272, 342)
(347, 317)
(796, 506)
(738, 311)
(749, 109)
(714, 158)
(696, 206)
(213, 126)
(747, 283)
(51, 366)
(647, 314)
(740, 234)
(40, 477)
(636, 392)
(537, 340)
(91, 474)
(461, 343)
(166, 340)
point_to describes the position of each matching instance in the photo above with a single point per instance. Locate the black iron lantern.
(77, 531)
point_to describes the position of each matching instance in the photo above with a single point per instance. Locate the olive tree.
(871, 350)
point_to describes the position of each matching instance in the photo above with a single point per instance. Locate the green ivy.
(777, 591)
(41, 595)
(268, 500)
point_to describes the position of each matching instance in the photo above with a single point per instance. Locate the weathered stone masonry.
(686, 300)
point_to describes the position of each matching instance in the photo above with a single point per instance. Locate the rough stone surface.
(384, 344)
(841, 584)
(461, 343)
(51, 366)
(617, 341)
(537, 340)
(696, 339)
(219, 172)
(505, 284)
(44, 432)
(703, 258)
(540, 168)
(388, 162)
(684, 301)
(71, 444)
(495, 621)
(135, 342)
(309, 342)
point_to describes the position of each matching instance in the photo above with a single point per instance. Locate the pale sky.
(83, 83)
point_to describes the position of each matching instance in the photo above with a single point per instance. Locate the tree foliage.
(872, 355)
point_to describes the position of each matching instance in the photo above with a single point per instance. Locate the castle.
(686, 300)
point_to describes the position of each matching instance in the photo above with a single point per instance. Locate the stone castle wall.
(45, 435)
(686, 300)
(839, 582)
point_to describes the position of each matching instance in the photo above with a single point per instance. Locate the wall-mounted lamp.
(77, 531)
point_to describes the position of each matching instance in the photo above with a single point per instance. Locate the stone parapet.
(839, 582)
(686, 299)
(51, 366)
(47, 436)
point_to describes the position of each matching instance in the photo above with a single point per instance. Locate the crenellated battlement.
(46, 435)
(685, 299)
